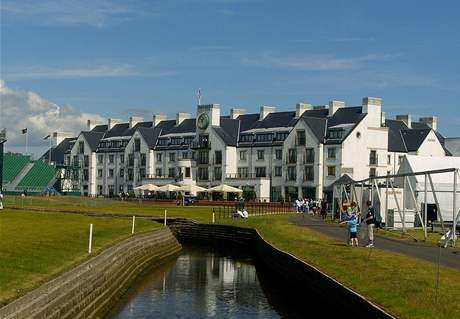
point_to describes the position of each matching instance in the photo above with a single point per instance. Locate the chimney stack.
(58, 137)
(407, 119)
(300, 108)
(90, 125)
(181, 116)
(431, 121)
(383, 118)
(157, 118)
(235, 112)
(265, 110)
(334, 106)
(133, 120)
(112, 122)
(372, 106)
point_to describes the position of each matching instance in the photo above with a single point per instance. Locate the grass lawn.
(102, 205)
(404, 286)
(35, 247)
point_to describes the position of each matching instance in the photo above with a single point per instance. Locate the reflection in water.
(200, 283)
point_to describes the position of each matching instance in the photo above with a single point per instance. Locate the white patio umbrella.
(168, 188)
(223, 188)
(191, 188)
(147, 187)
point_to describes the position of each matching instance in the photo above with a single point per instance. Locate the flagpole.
(27, 141)
(49, 154)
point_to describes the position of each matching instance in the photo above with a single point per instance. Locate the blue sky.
(118, 58)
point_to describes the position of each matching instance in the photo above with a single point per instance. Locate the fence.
(253, 209)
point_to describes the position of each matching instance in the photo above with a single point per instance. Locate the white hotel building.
(270, 154)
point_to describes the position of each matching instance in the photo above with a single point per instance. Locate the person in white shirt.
(1, 200)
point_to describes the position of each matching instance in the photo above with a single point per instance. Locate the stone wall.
(287, 269)
(91, 288)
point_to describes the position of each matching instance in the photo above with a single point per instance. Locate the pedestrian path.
(447, 257)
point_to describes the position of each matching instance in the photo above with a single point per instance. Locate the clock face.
(203, 121)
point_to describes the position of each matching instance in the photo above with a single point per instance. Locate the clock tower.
(207, 115)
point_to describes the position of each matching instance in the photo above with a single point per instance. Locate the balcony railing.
(244, 176)
(200, 145)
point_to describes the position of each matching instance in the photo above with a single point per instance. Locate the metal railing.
(253, 209)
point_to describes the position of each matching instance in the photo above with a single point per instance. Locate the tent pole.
(425, 209)
(454, 210)
(386, 203)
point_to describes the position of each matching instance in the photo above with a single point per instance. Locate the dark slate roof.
(453, 145)
(413, 138)
(345, 115)
(317, 126)
(186, 126)
(247, 121)
(93, 139)
(344, 179)
(100, 128)
(150, 135)
(419, 125)
(395, 138)
(57, 152)
(276, 119)
(228, 130)
(322, 113)
(117, 130)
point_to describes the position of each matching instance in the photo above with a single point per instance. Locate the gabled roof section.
(452, 145)
(57, 152)
(320, 113)
(395, 138)
(228, 130)
(345, 115)
(93, 139)
(247, 121)
(117, 130)
(413, 138)
(317, 126)
(150, 135)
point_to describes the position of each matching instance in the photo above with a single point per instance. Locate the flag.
(47, 137)
(24, 130)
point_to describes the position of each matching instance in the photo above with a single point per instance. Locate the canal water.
(205, 283)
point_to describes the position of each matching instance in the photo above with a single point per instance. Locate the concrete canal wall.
(91, 288)
(286, 269)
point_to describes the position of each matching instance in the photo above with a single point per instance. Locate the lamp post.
(2, 141)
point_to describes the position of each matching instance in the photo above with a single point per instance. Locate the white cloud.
(316, 62)
(68, 12)
(26, 109)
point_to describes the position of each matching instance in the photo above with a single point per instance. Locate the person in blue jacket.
(352, 223)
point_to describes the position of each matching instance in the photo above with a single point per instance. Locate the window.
(142, 173)
(187, 172)
(243, 155)
(388, 159)
(75, 160)
(131, 159)
(203, 157)
(86, 160)
(278, 171)
(100, 159)
(372, 172)
(85, 175)
(309, 173)
(218, 157)
(309, 155)
(266, 137)
(176, 140)
(188, 140)
(260, 155)
(331, 153)
(301, 140)
(218, 173)
(143, 159)
(130, 174)
(111, 158)
(279, 154)
(242, 172)
(336, 134)
(292, 173)
(137, 145)
(261, 172)
(99, 173)
(122, 158)
(111, 173)
(172, 157)
(281, 136)
(184, 155)
(292, 155)
(99, 189)
(246, 138)
(331, 171)
(81, 147)
(373, 159)
(122, 172)
(159, 157)
(400, 159)
(158, 172)
(111, 190)
(203, 173)
(163, 141)
(171, 172)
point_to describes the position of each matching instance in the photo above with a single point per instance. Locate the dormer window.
(281, 136)
(266, 137)
(246, 138)
(176, 140)
(336, 134)
(163, 141)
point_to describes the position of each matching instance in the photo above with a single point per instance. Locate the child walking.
(353, 227)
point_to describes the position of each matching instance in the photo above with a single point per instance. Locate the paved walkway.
(448, 257)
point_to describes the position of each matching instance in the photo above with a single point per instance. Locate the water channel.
(205, 283)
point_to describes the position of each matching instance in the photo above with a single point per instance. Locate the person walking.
(352, 223)
(370, 220)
